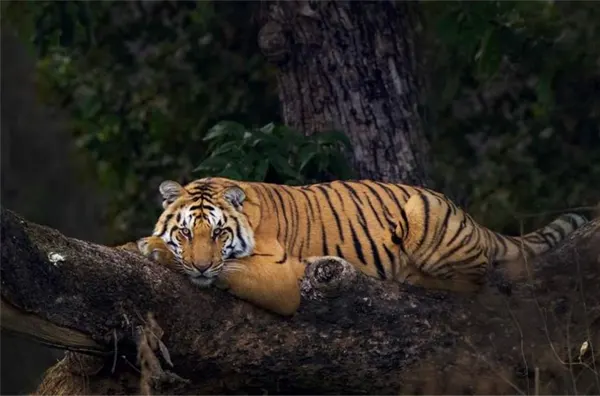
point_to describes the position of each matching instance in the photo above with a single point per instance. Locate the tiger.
(255, 239)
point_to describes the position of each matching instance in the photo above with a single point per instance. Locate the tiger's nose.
(202, 266)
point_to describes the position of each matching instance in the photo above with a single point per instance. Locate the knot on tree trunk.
(328, 277)
(273, 42)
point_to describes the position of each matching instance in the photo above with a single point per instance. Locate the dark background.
(103, 100)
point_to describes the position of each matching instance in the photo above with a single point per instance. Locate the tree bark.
(353, 334)
(352, 66)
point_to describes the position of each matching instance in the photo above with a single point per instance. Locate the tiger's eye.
(186, 232)
(216, 233)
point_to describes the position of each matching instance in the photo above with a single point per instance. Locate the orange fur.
(389, 231)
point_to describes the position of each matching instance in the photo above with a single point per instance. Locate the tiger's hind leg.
(412, 275)
(444, 248)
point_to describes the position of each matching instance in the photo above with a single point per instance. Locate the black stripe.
(547, 240)
(381, 203)
(461, 228)
(171, 232)
(376, 195)
(474, 244)
(363, 223)
(357, 246)
(283, 211)
(489, 245)
(389, 192)
(262, 254)
(405, 194)
(448, 270)
(405, 220)
(526, 245)
(309, 218)
(425, 222)
(196, 207)
(165, 224)
(325, 248)
(300, 255)
(269, 194)
(441, 235)
(569, 219)
(558, 229)
(500, 242)
(295, 217)
(353, 192)
(553, 239)
(339, 251)
(333, 211)
(238, 231)
(283, 259)
(449, 253)
(339, 196)
(392, 260)
(375, 212)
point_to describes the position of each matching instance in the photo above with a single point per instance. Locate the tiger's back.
(353, 220)
(393, 231)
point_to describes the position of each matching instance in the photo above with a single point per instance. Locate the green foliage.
(512, 103)
(274, 153)
(143, 82)
(514, 106)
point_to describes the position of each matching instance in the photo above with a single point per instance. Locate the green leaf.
(282, 166)
(231, 173)
(306, 154)
(260, 171)
(225, 148)
(489, 55)
(268, 128)
(339, 166)
(333, 137)
(212, 163)
(288, 133)
(230, 129)
(266, 138)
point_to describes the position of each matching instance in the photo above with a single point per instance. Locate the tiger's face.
(205, 228)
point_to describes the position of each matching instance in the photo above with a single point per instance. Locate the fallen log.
(132, 326)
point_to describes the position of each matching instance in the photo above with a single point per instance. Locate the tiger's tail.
(506, 248)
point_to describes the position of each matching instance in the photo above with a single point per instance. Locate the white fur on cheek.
(243, 244)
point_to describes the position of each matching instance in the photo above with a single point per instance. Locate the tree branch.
(353, 334)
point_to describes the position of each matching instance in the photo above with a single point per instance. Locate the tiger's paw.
(155, 249)
(221, 284)
(129, 246)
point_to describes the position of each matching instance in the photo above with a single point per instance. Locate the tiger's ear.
(170, 191)
(235, 196)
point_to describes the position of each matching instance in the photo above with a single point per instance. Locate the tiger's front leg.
(154, 248)
(266, 281)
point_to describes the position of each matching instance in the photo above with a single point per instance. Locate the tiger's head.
(204, 226)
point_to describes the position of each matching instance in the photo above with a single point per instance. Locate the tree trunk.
(351, 66)
(353, 334)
